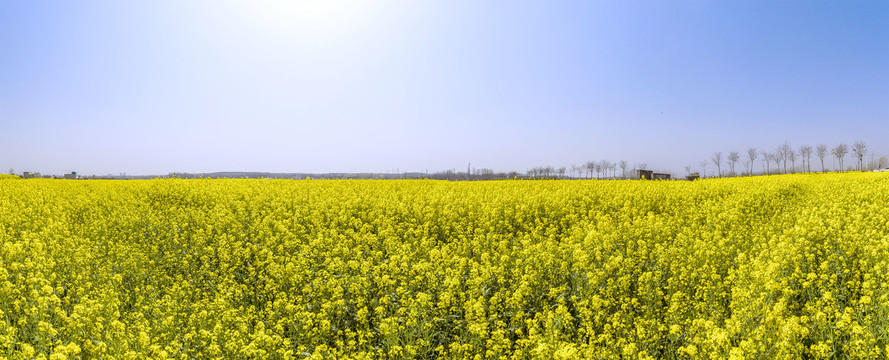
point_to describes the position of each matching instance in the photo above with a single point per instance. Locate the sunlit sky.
(152, 87)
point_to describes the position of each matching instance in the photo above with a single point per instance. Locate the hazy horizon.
(143, 88)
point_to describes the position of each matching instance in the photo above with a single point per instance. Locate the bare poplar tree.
(783, 154)
(751, 154)
(623, 168)
(776, 160)
(791, 155)
(767, 159)
(859, 149)
(805, 152)
(840, 152)
(733, 158)
(590, 167)
(561, 172)
(687, 169)
(704, 167)
(821, 151)
(833, 160)
(717, 159)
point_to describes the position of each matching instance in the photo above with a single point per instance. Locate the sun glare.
(311, 18)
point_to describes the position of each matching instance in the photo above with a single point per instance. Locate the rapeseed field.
(771, 267)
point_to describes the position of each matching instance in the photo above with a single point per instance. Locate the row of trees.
(784, 154)
(773, 162)
(588, 170)
(784, 159)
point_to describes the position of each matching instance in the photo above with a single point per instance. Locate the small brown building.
(644, 174)
(651, 175)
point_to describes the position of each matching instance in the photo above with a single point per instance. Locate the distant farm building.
(651, 175)
(692, 176)
(644, 174)
(72, 176)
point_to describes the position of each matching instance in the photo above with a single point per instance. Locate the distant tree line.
(602, 169)
(786, 159)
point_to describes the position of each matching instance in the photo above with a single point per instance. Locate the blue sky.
(346, 86)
